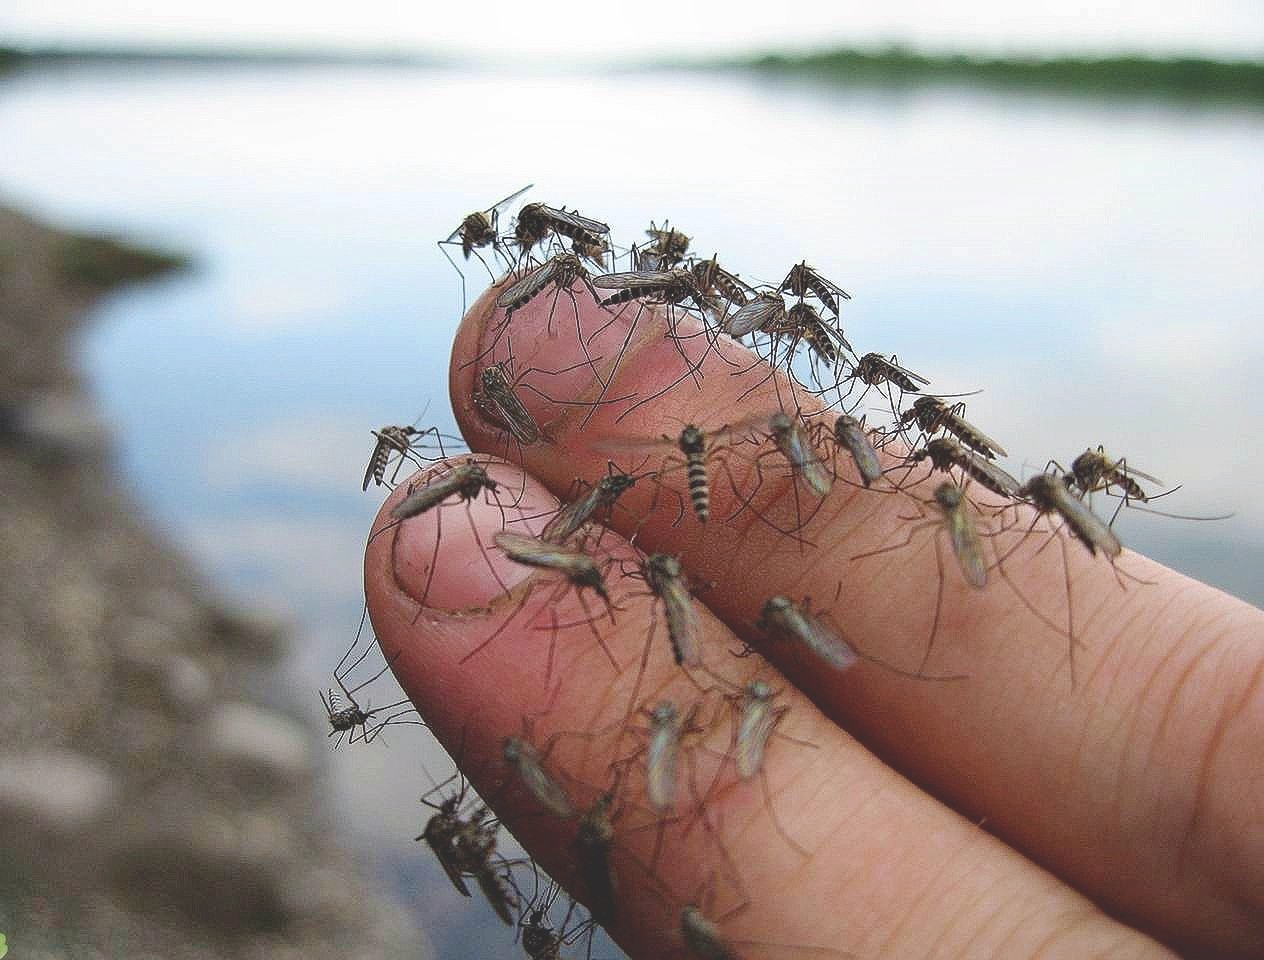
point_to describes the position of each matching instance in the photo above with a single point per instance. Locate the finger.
(1136, 785)
(902, 875)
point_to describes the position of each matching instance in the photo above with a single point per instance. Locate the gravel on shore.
(145, 809)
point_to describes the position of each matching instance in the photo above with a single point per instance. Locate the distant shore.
(12, 57)
(1187, 78)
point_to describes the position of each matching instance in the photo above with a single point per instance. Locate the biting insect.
(946, 453)
(805, 323)
(764, 311)
(539, 940)
(390, 440)
(653, 286)
(757, 718)
(666, 729)
(441, 832)
(465, 481)
(850, 433)
(578, 568)
(499, 403)
(790, 442)
(478, 230)
(793, 444)
(1093, 471)
(561, 270)
(667, 247)
(666, 580)
(875, 370)
(931, 414)
(718, 284)
(343, 720)
(537, 220)
(592, 846)
(525, 761)
(1049, 494)
(476, 845)
(602, 495)
(690, 451)
(803, 280)
(783, 619)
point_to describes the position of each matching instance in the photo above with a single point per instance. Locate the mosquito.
(344, 720)
(1093, 471)
(498, 402)
(475, 846)
(802, 323)
(653, 286)
(540, 940)
(945, 453)
(404, 441)
(851, 434)
(782, 619)
(578, 569)
(1049, 494)
(790, 442)
(602, 495)
(442, 829)
(718, 284)
(875, 370)
(690, 451)
(766, 309)
(497, 399)
(561, 270)
(666, 580)
(465, 482)
(803, 280)
(593, 842)
(537, 220)
(526, 762)
(671, 288)
(931, 414)
(756, 719)
(667, 247)
(479, 229)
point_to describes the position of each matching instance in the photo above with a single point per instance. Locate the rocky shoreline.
(147, 807)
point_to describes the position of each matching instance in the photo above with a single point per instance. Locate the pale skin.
(1012, 814)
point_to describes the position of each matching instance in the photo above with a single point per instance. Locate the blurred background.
(1062, 204)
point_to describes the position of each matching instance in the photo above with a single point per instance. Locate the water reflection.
(1095, 266)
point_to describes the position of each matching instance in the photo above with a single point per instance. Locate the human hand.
(1125, 807)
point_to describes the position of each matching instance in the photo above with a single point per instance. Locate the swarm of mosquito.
(669, 773)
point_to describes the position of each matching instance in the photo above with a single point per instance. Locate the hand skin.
(1011, 814)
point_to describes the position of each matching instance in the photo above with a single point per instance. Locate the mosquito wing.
(754, 315)
(586, 224)
(634, 280)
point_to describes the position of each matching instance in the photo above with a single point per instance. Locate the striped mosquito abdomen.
(693, 445)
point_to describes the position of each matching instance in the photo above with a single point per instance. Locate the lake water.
(1097, 265)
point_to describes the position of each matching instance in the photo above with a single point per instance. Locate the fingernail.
(446, 558)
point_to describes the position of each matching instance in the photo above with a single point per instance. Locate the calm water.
(1095, 265)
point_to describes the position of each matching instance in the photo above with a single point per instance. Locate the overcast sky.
(604, 27)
